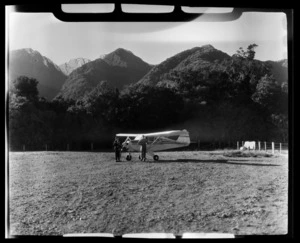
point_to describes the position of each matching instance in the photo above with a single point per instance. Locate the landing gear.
(128, 157)
(155, 157)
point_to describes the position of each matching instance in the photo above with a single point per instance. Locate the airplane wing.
(127, 135)
(166, 133)
(156, 134)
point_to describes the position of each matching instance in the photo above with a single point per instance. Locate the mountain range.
(120, 68)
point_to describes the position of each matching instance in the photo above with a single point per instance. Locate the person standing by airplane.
(143, 143)
(117, 147)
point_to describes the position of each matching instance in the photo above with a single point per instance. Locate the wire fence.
(272, 147)
(72, 146)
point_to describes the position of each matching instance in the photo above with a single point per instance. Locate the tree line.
(232, 99)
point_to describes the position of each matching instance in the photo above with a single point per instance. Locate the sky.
(153, 42)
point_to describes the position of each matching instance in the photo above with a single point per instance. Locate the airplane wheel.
(128, 157)
(155, 157)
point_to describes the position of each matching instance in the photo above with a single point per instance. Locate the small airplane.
(157, 141)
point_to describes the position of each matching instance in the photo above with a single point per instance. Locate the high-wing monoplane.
(157, 141)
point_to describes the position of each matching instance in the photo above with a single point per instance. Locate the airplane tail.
(184, 137)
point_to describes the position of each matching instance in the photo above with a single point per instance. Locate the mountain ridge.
(192, 59)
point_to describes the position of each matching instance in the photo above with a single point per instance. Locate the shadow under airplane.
(219, 161)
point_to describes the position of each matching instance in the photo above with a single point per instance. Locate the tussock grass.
(247, 154)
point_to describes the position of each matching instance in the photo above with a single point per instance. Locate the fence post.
(23, 147)
(258, 145)
(280, 148)
(266, 146)
(92, 147)
(273, 148)
(237, 145)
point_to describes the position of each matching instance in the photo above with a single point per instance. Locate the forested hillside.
(193, 59)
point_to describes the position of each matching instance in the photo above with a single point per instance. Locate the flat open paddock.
(54, 193)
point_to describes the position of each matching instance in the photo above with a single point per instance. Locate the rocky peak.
(122, 58)
(73, 64)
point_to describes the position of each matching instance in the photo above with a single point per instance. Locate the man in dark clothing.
(143, 143)
(117, 147)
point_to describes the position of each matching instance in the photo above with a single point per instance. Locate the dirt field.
(54, 193)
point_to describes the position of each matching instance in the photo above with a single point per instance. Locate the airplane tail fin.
(184, 137)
